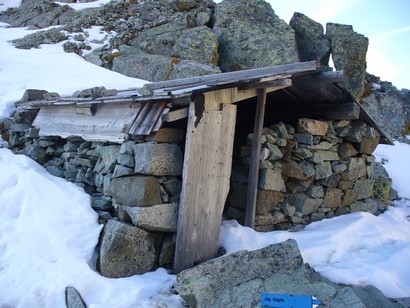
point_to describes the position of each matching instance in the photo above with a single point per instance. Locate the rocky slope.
(160, 40)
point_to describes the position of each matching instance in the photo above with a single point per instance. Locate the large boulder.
(251, 35)
(239, 279)
(349, 50)
(125, 250)
(135, 190)
(311, 40)
(388, 107)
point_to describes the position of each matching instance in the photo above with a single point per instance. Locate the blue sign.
(288, 301)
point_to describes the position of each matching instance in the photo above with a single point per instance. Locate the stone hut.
(273, 147)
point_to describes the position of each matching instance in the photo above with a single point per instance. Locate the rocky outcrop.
(311, 40)
(349, 50)
(252, 35)
(38, 14)
(239, 279)
(389, 106)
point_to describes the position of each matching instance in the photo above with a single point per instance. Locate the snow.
(48, 231)
(50, 68)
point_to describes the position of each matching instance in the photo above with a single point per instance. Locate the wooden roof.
(310, 93)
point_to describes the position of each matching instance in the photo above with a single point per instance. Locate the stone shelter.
(160, 159)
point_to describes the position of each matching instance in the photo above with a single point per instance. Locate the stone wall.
(134, 188)
(316, 170)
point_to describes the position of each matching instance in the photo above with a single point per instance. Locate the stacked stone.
(315, 170)
(134, 188)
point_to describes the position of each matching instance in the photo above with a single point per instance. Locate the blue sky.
(385, 23)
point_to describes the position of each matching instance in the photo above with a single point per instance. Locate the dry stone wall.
(316, 170)
(134, 188)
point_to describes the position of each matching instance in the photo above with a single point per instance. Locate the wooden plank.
(206, 178)
(320, 77)
(87, 109)
(244, 94)
(213, 99)
(110, 122)
(330, 111)
(222, 78)
(255, 158)
(175, 115)
(147, 118)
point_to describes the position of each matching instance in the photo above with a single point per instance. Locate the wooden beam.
(87, 109)
(276, 85)
(205, 183)
(213, 99)
(226, 78)
(322, 77)
(175, 115)
(255, 159)
(110, 123)
(330, 111)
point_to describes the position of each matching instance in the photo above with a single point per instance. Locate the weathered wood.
(341, 111)
(320, 77)
(243, 94)
(226, 78)
(110, 122)
(255, 158)
(145, 122)
(206, 177)
(213, 99)
(175, 115)
(87, 109)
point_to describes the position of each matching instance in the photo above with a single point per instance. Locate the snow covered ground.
(48, 230)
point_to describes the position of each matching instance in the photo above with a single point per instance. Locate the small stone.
(120, 170)
(271, 180)
(302, 153)
(316, 192)
(304, 204)
(313, 127)
(275, 152)
(368, 205)
(303, 138)
(323, 170)
(346, 149)
(362, 189)
(333, 198)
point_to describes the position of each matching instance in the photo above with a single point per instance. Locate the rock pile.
(315, 170)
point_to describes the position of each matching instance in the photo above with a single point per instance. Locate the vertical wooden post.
(255, 159)
(205, 181)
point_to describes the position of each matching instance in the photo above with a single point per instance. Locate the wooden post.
(255, 159)
(205, 180)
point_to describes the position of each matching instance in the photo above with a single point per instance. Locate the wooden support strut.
(255, 158)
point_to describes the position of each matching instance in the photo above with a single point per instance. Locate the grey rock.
(135, 190)
(304, 204)
(323, 170)
(158, 159)
(186, 68)
(362, 189)
(271, 180)
(237, 280)
(333, 198)
(35, 152)
(201, 286)
(356, 168)
(159, 217)
(95, 92)
(322, 156)
(368, 205)
(346, 149)
(172, 186)
(99, 204)
(303, 138)
(275, 152)
(125, 250)
(138, 64)
(126, 160)
(273, 218)
(294, 170)
(109, 157)
(316, 192)
(166, 257)
(25, 116)
(251, 35)
(312, 43)
(338, 168)
(197, 44)
(51, 36)
(120, 171)
(73, 298)
(38, 14)
(181, 5)
(349, 54)
(127, 148)
(357, 131)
